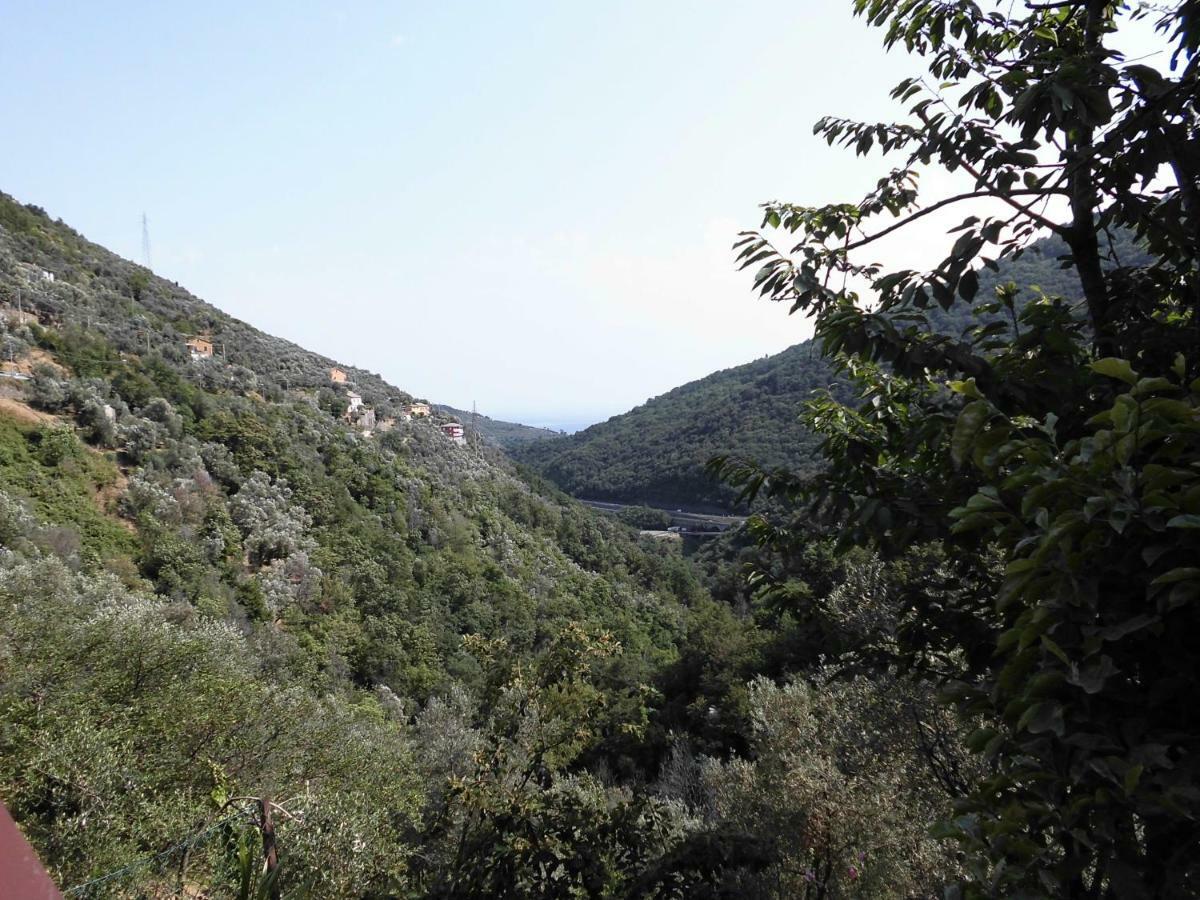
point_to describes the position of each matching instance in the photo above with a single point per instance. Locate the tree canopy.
(1063, 436)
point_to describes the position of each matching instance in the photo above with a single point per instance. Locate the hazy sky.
(527, 205)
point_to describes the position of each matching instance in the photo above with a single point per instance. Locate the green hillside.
(656, 453)
(223, 594)
(236, 467)
(213, 584)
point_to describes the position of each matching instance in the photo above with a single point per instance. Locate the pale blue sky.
(524, 204)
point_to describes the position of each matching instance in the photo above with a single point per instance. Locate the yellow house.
(417, 409)
(337, 376)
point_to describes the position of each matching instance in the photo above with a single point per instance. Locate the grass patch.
(51, 469)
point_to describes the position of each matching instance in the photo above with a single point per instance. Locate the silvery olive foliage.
(145, 495)
(138, 437)
(289, 581)
(272, 526)
(16, 523)
(169, 719)
(159, 410)
(49, 390)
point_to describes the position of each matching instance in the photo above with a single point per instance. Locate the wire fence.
(89, 888)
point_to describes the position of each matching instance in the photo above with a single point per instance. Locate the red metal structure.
(22, 876)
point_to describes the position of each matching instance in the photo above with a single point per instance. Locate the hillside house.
(200, 347)
(337, 376)
(454, 431)
(47, 276)
(355, 401)
(417, 410)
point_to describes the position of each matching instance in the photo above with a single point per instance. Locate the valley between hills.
(907, 610)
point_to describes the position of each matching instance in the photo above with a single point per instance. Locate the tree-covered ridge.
(133, 309)
(505, 435)
(657, 452)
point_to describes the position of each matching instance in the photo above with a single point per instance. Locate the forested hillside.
(271, 627)
(656, 452)
(232, 606)
(215, 584)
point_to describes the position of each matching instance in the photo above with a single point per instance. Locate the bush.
(155, 713)
(838, 795)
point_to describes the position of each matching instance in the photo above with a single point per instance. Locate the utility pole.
(146, 243)
(270, 853)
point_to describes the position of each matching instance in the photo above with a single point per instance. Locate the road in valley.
(687, 522)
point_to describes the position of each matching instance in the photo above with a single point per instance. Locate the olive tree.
(273, 526)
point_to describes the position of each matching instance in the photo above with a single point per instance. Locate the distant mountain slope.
(99, 291)
(505, 435)
(655, 453)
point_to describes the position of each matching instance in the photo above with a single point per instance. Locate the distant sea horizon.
(570, 426)
(568, 423)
